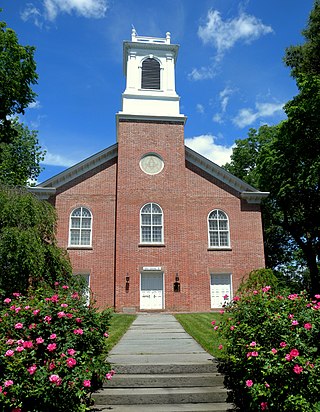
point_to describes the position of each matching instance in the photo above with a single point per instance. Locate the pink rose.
(78, 331)
(9, 353)
(18, 325)
(64, 305)
(61, 314)
(71, 362)
(255, 354)
(55, 379)
(253, 344)
(71, 352)
(32, 369)
(28, 344)
(249, 383)
(7, 300)
(263, 406)
(283, 344)
(39, 340)
(19, 349)
(297, 369)
(108, 376)
(308, 326)
(294, 323)
(274, 351)
(53, 336)
(51, 347)
(36, 311)
(47, 319)
(87, 383)
(8, 383)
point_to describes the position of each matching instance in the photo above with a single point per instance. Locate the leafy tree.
(288, 164)
(20, 153)
(28, 250)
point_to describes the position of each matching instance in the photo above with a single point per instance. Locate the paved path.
(161, 368)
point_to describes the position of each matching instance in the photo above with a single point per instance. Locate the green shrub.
(272, 351)
(257, 279)
(52, 348)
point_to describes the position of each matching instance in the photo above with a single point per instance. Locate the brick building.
(152, 224)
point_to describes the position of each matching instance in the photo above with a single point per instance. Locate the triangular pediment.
(49, 186)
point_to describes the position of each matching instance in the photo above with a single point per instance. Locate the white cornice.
(42, 193)
(80, 168)
(246, 191)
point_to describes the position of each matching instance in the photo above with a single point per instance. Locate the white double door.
(220, 289)
(151, 291)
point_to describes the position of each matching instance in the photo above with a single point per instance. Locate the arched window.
(151, 223)
(80, 232)
(150, 77)
(218, 226)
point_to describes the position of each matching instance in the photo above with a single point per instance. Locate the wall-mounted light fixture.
(176, 284)
(127, 283)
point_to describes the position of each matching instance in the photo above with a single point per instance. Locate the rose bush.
(52, 348)
(272, 351)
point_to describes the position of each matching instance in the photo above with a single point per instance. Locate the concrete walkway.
(159, 367)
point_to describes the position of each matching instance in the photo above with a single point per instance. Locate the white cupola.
(149, 67)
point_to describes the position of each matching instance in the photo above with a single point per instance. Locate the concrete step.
(165, 368)
(165, 380)
(185, 407)
(140, 396)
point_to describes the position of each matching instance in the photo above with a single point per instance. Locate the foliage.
(20, 152)
(199, 326)
(28, 249)
(257, 279)
(19, 160)
(17, 74)
(286, 162)
(52, 351)
(272, 349)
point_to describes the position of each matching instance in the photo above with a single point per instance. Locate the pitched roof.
(49, 186)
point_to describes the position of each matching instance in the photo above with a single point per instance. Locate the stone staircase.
(161, 369)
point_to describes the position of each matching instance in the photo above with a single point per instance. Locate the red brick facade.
(115, 192)
(180, 272)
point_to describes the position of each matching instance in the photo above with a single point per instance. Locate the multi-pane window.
(150, 77)
(218, 225)
(151, 220)
(80, 227)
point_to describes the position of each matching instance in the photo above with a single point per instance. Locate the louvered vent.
(150, 74)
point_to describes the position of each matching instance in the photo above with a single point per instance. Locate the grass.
(199, 326)
(119, 324)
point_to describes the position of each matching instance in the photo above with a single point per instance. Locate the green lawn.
(199, 326)
(118, 326)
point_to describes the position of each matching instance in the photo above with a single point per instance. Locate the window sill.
(220, 248)
(151, 245)
(79, 248)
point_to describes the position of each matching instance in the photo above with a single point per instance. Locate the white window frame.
(219, 231)
(71, 245)
(144, 242)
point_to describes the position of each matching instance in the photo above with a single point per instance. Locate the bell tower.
(150, 176)
(149, 68)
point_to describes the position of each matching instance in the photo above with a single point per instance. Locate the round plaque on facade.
(151, 164)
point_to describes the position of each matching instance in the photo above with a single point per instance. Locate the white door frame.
(155, 272)
(230, 294)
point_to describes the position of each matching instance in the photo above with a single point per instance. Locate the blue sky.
(229, 74)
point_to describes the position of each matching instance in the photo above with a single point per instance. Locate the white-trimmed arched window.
(80, 227)
(151, 224)
(218, 228)
(150, 74)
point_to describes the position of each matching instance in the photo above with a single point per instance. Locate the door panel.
(220, 287)
(151, 291)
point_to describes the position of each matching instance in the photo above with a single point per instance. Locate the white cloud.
(54, 159)
(201, 74)
(52, 8)
(247, 116)
(224, 97)
(34, 105)
(205, 145)
(200, 108)
(31, 12)
(224, 34)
